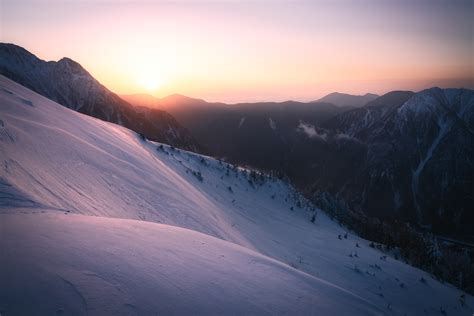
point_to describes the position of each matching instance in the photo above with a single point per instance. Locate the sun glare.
(150, 81)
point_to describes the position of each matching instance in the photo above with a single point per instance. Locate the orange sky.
(256, 50)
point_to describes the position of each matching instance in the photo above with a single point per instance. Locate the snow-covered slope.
(262, 253)
(110, 266)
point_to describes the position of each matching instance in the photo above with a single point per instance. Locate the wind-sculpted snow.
(90, 214)
(105, 266)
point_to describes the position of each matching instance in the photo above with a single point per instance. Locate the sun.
(148, 77)
(149, 81)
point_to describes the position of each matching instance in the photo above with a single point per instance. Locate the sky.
(234, 51)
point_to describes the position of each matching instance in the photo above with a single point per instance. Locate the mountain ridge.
(409, 131)
(68, 83)
(345, 99)
(145, 99)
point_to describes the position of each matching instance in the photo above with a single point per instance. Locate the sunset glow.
(229, 51)
(149, 81)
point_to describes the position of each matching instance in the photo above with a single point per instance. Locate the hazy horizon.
(254, 51)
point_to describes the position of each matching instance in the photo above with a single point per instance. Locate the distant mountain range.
(262, 135)
(185, 109)
(349, 100)
(69, 84)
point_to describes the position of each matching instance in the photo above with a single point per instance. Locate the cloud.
(310, 131)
